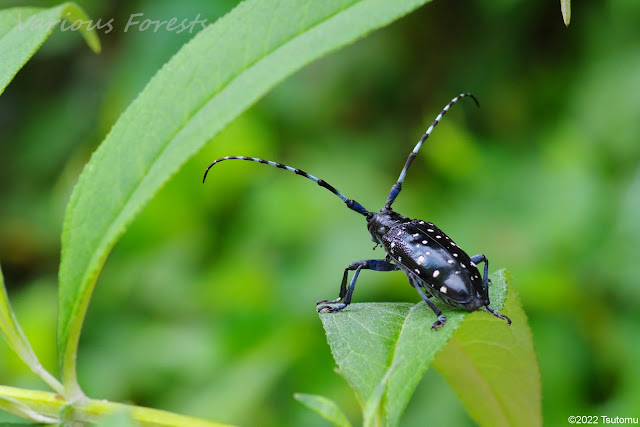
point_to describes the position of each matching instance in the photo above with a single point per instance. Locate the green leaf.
(394, 344)
(327, 408)
(15, 407)
(565, 7)
(24, 29)
(209, 82)
(494, 370)
(371, 413)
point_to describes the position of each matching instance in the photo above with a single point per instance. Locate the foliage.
(383, 351)
(100, 209)
(325, 407)
(215, 85)
(205, 306)
(565, 6)
(499, 364)
(23, 30)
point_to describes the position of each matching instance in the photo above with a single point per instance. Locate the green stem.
(45, 407)
(12, 332)
(51, 381)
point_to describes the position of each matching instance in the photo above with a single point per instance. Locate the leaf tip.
(565, 7)
(74, 13)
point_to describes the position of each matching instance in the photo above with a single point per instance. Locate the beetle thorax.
(379, 224)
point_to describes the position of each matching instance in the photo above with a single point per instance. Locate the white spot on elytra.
(458, 272)
(399, 259)
(416, 270)
(393, 244)
(473, 264)
(399, 232)
(427, 253)
(462, 265)
(430, 230)
(421, 222)
(443, 289)
(450, 261)
(438, 236)
(416, 235)
(455, 255)
(420, 260)
(424, 242)
(453, 244)
(436, 273)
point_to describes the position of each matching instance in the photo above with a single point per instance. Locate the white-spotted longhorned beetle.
(434, 264)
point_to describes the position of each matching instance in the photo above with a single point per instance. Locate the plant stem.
(12, 332)
(46, 406)
(51, 381)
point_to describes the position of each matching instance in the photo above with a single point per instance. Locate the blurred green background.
(206, 305)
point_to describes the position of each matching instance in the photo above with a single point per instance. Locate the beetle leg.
(477, 259)
(347, 293)
(498, 315)
(441, 319)
(343, 291)
(347, 297)
(486, 281)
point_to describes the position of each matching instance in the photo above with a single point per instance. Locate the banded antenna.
(351, 204)
(397, 187)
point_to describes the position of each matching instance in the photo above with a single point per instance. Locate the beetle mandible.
(433, 263)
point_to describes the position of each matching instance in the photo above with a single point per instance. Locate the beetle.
(434, 264)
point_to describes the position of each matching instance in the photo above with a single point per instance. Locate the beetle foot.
(439, 323)
(330, 309)
(498, 315)
(326, 301)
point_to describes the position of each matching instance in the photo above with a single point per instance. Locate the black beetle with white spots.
(434, 264)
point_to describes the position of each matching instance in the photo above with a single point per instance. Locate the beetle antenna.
(395, 190)
(351, 204)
